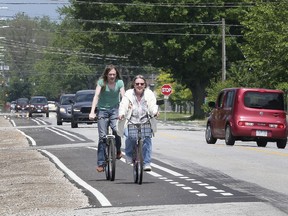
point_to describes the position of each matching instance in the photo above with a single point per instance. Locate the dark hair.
(138, 77)
(106, 71)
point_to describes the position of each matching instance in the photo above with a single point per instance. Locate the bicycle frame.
(137, 157)
(110, 153)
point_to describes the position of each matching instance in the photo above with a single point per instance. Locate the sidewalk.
(29, 183)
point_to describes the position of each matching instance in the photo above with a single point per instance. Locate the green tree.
(266, 43)
(180, 96)
(181, 37)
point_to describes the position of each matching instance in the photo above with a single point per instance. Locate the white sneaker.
(147, 168)
(128, 160)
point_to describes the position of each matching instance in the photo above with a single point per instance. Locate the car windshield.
(39, 100)
(22, 101)
(84, 97)
(264, 100)
(65, 100)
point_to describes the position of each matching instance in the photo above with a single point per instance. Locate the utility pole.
(223, 51)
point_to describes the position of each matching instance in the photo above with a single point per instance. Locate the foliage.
(134, 33)
(180, 94)
(213, 91)
(266, 43)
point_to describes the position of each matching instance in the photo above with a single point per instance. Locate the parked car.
(52, 106)
(38, 104)
(22, 104)
(64, 108)
(81, 107)
(12, 106)
(248, 114)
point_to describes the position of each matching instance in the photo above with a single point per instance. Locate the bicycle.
(110, 152)
(138, 131)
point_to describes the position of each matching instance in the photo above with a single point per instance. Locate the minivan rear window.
(264, 100)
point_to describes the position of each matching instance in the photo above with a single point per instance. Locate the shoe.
(119, 155)
(128, 160)
(147, 168)
(100, 169)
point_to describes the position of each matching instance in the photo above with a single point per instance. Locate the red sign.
(166, 89)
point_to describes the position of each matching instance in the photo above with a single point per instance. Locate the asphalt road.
(188, 175)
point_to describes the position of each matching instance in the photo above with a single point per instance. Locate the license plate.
(38, 110)
(261, 133)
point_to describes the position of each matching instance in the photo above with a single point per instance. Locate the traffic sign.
(166, 89)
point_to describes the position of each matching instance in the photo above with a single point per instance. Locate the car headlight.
(62, 110)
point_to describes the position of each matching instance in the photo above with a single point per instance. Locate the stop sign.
(166, 89)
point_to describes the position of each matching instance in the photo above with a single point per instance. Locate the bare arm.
(92, 114)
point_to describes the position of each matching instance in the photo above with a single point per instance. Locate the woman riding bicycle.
(138, 105)
(106, 99)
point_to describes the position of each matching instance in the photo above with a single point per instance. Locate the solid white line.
(35, 121)
(60, 134)
(30, 138)
(102, 199)
(65, 132)
(166, 170)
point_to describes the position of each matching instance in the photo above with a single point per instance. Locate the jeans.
(147, 148)
(103, 116)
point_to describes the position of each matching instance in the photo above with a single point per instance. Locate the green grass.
(174, 116)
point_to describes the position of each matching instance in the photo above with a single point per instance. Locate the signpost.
(166, 90)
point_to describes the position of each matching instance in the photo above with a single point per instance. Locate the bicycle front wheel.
(138, 163)
(111, 160)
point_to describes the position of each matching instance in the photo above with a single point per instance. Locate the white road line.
(37, 122)
(40, 120)
(166, 170)
(33, 143)
(54, 131)
(99, 196)
(65, 132)
(181, 176)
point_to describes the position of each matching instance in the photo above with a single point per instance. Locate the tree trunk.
(199, 97)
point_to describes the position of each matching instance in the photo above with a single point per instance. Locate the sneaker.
(128, 160)
(119, 155)
(147, 168)
(100, 169)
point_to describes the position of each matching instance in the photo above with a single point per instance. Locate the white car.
(52, 106)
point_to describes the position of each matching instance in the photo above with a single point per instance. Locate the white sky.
(32, 8)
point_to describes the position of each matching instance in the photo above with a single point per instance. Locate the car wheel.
(261, 143)
(229, 138)
(30, 114)
(281, 143)
(47, 114)
(74, 124)
(59, 122)
(208, 135)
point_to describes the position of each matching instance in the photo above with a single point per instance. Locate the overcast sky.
(32, 8)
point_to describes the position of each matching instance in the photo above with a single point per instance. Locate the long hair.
(105, 74)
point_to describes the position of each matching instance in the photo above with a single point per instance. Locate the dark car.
(248, 114)
(38, 104)
(22, 104)
(81, 107)
(64, 108)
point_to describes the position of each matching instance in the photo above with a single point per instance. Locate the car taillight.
(243, 123)
(281, 126)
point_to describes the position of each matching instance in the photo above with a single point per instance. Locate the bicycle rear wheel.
(138, 163)
(110, 167)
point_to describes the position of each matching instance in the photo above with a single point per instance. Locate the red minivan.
(248, 114)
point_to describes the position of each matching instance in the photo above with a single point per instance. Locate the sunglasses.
(138, 84)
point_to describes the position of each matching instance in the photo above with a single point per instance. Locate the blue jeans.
(112, 114)
(147, 148)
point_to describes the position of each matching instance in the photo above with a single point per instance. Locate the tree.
(179, 37)
(266, 44)
(180, 96)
